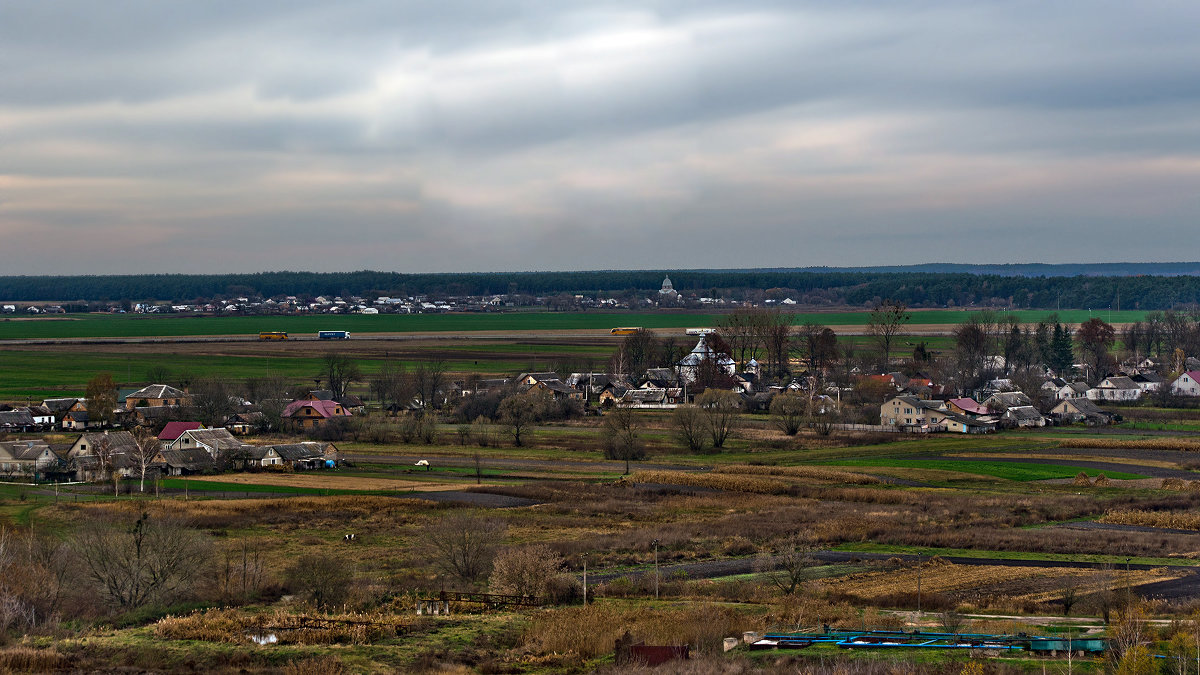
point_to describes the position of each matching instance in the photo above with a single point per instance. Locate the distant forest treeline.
(835, 287)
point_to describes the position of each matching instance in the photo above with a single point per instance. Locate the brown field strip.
(1039, 584)
(1131, 459)
(327, 482)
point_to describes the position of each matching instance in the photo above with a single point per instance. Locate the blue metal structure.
(882, 639)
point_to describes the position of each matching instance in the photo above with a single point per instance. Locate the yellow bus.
(626, 330)
(272, 335)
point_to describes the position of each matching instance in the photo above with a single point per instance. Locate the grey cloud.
(467, 135)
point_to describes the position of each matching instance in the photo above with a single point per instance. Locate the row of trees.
(856, 288)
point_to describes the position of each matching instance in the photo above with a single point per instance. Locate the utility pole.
(918, 589)
(584, 556)
(655, 542)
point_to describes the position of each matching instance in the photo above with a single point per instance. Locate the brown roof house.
(155, 395)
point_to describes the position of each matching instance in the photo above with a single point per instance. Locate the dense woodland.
(813, 288)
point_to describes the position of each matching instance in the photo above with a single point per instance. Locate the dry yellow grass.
(1137, 444)
(815, 472)
(231, 625)
(353, 504)
(1178, 521)
(323, 481)
(943, 578)
(714, 481)
(1037, 584)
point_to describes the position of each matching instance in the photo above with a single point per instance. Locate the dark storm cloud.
(465, 135)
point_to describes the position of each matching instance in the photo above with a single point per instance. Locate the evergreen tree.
(1061, 354)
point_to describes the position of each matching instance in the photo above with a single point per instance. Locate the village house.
(17, 420)
(28, 459)
(312, 414)
(969, 407)
(1072, 390)
(1115, 388)
(180, 462)
(83, 454)
(912, 412)
(1003, 400)
(243, 423)
(218, 443)
(174, 430)
(307, 454)
(155, 395)
(1074, 410)
(1148, 382)
(1024, 416)
(78, 420)
(1187, 384)
(959, 423)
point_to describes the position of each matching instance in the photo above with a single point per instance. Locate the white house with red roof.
(173, 430)
(1187, 384)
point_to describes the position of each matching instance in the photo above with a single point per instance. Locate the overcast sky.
(475, 136)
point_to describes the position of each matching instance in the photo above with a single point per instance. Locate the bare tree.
(1095, 338)
(339, 371)
(151, 561)
(106, 462)
(145, 447)
(721, 412)
(637, 352)
(787, 412)
(525, 571)
(323, 579)
(427, 381)
(520, 412)
(390, 385)
(886, 321)
(464, 545)
(242, 571)
(775, 330)
(101, 398)
(688, 422)
(787, 569)
(622, 439)
(270, 397)
(820, 414)
(210, 401)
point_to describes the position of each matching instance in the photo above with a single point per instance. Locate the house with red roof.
(174, 430)
(968, 406)
(1187, 384)
(310, 414)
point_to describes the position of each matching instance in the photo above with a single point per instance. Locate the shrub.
(323, 579)
(525, 571)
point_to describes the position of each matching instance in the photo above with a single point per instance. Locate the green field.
(43, 374)
(1017, 471)
(110, 325)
